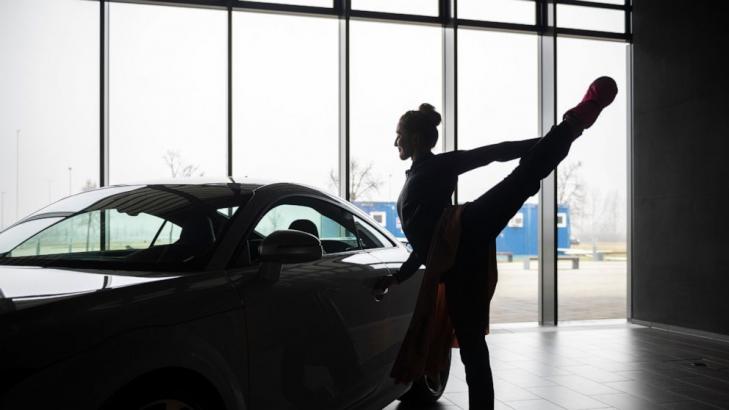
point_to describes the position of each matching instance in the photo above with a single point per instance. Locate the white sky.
(286, 97)
(49, 89)
(168, 92)
(167, 89)
(498, 98)
(393, 68)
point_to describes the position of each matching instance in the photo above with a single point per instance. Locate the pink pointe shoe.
(599, 95)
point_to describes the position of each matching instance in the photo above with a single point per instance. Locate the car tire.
(427, 390)
(165, 395)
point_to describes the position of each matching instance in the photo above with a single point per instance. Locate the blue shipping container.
(518, 238)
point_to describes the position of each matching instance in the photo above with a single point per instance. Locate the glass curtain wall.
(592, 187)
(498, 100)
(167, 92)
(286, 98)
(49, 103)
(168, 113)
(393, 68)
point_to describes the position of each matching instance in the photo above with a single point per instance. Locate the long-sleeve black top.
(429, 186)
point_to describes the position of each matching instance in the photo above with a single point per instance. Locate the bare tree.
(363, 180)
(603, 216)
(178, 167)
(570, 187)
(606, 215)
(571, 191)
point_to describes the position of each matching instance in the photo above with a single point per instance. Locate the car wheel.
(168, 404)
(427, 390)
(165, 395)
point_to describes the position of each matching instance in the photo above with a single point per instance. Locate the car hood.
(22, 287)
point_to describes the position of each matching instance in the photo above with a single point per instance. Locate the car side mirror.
(287, 246)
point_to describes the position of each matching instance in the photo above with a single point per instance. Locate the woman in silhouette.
(429, 186)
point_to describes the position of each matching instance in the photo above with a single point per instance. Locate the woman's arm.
(501, 152)
(408, 268)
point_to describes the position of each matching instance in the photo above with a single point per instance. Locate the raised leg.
(486, 216)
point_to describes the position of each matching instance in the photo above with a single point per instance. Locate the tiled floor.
(604, 366)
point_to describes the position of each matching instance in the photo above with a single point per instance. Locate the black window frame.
(378, 230)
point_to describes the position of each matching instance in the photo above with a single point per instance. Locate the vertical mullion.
(344, 134)
(631, 195)
(229, 153)
(103, 93)
(103, 113)
(628, 17)
(548, 193)
(450, 81)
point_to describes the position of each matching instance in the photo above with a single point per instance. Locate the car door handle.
(380, 295)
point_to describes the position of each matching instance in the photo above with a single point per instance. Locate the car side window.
(327, 222)
(369, 237)
(81, 234)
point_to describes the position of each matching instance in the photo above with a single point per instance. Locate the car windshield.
(154, 227)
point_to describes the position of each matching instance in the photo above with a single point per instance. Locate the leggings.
(482, 220)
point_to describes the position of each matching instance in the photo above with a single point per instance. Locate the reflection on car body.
(211, 295)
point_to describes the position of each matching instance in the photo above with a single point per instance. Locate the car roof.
(247, 183)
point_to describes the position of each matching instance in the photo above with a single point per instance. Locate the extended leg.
(488, 215)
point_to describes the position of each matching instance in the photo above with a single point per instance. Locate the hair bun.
(431, 113)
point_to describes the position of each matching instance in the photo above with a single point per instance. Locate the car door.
(311, 333)
(400, 300)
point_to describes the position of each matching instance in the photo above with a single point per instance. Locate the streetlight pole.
(2, 211)
(69, 180)
(17, 174)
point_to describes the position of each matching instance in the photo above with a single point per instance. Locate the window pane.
(314, 3)
(333, 235)
(58, 239)
(15, 235)
(588, 18)
(286, 98)
(49, 103)
(169, 234)
(121, 229)
(419, 7)
(167, 92)
(393, 68)
(383, 213)
(369, 236)
(80, 233)
(500, 102)
(506, 11)
(132, 231)
(620, 2)
(592, 187)
(83, 200)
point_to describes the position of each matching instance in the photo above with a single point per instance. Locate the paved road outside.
(597, 290)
